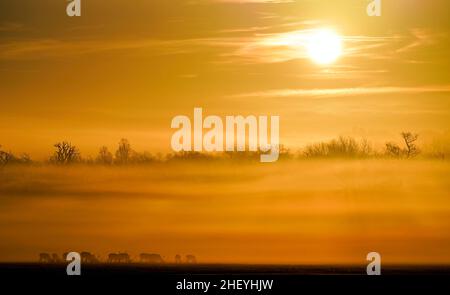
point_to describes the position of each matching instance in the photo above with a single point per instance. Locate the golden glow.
(324, 46)
(126, 70)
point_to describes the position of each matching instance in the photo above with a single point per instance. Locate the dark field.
(287, 279)
(136, 269)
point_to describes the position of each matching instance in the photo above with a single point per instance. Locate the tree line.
(65, 153)
(348, 147)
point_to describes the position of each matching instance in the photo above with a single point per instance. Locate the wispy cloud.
(292, 45)
(245, 30)
(339, 72)
(48, 48)
(250, 46)
(340, 92)
(420, 37)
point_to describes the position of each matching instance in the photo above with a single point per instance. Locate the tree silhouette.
(410, 139)
(345, 147)
(5, 157)
(393, 150)
(410, 149)
(124, 152)
(65, 153)
(104, 156)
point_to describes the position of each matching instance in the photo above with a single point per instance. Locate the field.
(291, 212)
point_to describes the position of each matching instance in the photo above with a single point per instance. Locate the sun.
(324, 46)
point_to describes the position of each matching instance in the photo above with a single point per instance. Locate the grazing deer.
(191, 259)
(55, 258)
(151, 258)
(119, 258)
(87, 257)
(45, 258)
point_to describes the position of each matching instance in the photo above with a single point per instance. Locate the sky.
(126, 68)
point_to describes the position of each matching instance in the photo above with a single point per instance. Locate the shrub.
(342, 147)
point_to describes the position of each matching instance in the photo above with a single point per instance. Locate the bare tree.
(124, 152)
(411, 148)
(5, 157)
(10, 158)
(347, 147)
(104, 157)
(142, 158)
(393, 150)
(65, 153)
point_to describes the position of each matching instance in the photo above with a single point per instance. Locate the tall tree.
(124, 152)
(104, 156)
(65, 153)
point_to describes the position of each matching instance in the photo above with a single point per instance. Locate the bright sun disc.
(324, 46)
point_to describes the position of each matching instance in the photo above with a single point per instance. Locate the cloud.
(251, 48)
(245, 30)
(291, 45)
(48, 48)
(339, 92)
(420, 37)
(272, 48)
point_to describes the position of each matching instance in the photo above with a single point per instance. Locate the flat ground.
(299, 212)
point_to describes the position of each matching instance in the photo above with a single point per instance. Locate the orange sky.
(126, 68)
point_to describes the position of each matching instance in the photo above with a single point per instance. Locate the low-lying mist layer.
(316, 211)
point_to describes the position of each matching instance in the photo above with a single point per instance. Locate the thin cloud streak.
(339, 92)
(252, 49)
